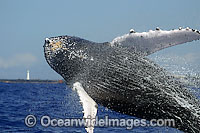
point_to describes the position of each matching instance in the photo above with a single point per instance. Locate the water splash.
(184, 70)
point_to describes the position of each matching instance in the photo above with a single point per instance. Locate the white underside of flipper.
(89, 106)
(152, 41)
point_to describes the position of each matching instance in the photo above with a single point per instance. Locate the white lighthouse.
(27, 76)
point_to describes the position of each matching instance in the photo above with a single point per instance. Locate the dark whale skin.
(125, 81)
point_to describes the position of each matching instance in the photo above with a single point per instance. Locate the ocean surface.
(18, 100)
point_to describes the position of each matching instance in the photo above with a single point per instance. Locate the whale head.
(66, 54)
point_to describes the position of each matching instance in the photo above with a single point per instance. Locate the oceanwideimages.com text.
(47, 121)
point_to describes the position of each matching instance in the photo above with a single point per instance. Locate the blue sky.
(25, 24)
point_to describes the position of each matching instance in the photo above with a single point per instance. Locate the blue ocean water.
(17, 100)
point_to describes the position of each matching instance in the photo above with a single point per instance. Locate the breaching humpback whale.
(119, 76)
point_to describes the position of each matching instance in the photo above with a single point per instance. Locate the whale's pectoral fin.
(152, 41)
(89, 107)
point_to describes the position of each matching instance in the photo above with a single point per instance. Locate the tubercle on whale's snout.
(46, 47)
(46, 42)
(47, 51)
